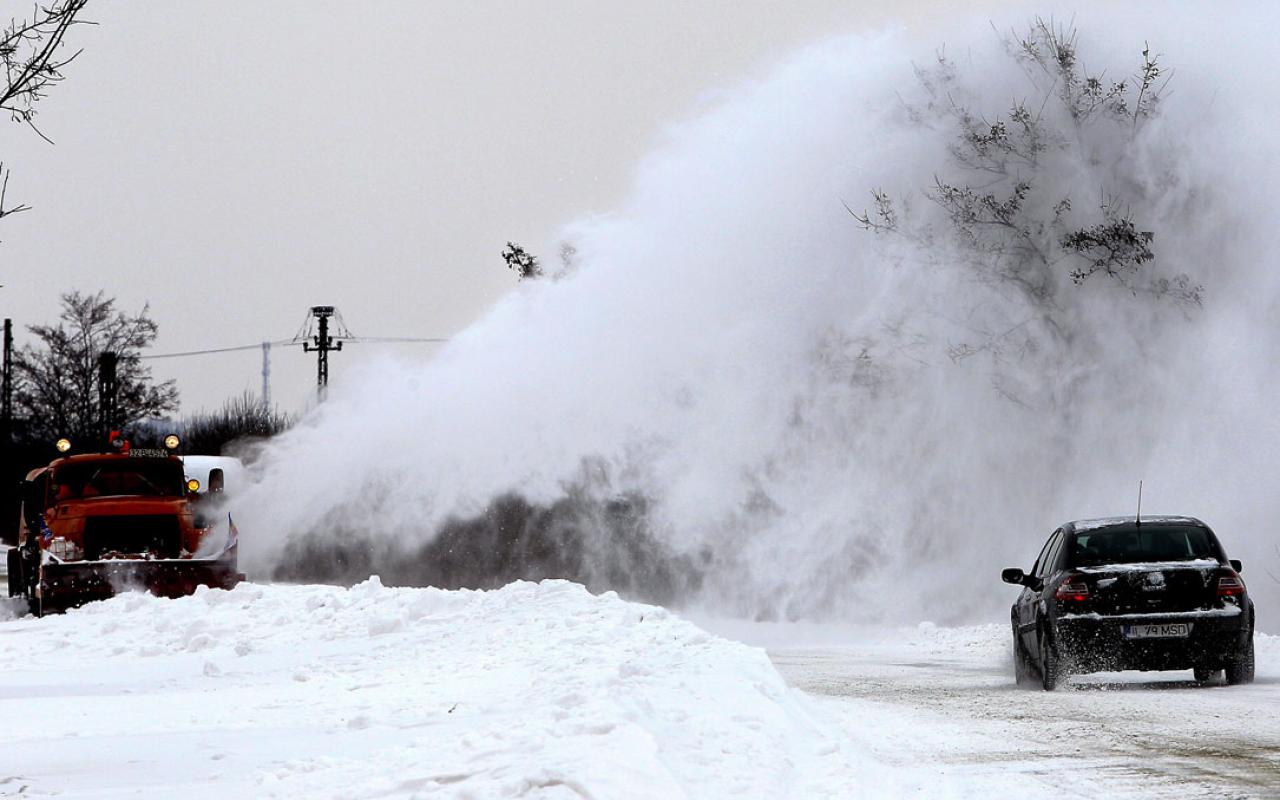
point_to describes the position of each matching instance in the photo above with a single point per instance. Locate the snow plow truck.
(94, 524)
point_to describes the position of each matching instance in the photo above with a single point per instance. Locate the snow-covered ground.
(534, 690)
(939, 707)
(545, 691)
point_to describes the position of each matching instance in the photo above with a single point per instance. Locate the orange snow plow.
(97, 524)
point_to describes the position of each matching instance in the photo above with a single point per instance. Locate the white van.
(201, 468)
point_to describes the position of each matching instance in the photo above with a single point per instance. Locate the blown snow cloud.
(782, 385)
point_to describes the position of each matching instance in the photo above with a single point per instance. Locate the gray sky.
(235, 163)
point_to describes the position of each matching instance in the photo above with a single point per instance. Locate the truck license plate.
(1174, 630)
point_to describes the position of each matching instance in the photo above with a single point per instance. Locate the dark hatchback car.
(1123, 594)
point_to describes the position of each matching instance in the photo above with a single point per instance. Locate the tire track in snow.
(943, 703)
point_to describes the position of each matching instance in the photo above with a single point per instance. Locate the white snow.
(939, 707)
(1153, 566)
(546, 691)
(1104, 522)
(1227, 611)
(533, 690)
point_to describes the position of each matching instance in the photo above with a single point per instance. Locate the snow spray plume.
(1060, 285)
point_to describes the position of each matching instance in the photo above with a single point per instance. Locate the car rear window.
(1133, 545)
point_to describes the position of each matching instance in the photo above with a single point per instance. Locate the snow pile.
(533, 690)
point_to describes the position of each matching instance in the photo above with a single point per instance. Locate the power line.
(295, 343)
(280, 343)
(321, 343)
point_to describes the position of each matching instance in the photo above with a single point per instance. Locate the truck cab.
(94, 524)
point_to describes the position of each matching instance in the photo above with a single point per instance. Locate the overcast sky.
(233, 164)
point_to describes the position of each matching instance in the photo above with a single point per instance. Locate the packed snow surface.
(937, 708)
(533, 690)
(546, 691)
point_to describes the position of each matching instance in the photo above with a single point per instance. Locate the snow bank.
(534, 690)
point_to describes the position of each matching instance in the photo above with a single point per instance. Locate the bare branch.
(28, 50)
(30, 54)
(1005, 222)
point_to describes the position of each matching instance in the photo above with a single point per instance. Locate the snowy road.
(940, 707)
(544, 691)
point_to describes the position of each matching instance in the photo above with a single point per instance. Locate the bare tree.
(33, 55)
(240, 420)
(56, 383)
(999, 191)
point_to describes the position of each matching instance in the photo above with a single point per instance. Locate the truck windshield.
(1134, 545)
(118, 476)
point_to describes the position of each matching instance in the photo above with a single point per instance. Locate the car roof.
(1081, 525)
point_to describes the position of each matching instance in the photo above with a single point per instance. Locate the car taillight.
(1073, 589)
(1229, 583)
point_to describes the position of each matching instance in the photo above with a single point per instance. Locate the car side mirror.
(32, 505)
(1236, 565)
(1013, 575)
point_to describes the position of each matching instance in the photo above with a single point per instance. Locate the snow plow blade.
(66, 585)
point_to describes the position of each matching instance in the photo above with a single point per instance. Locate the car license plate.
(1174, 630)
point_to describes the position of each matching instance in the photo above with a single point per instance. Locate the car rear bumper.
(1094, 643)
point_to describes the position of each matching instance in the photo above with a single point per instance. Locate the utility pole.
(10, 467)
(266, 377)
(6, 390)
(321, 344)
(108, 390)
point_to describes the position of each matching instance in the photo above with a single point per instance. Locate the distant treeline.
(602, 545)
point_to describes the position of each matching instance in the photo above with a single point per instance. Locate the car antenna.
(1138, 522)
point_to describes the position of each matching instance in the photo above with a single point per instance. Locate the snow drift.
(782, 388)
(534, 690)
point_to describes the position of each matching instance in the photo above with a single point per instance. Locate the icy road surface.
(940, 706)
